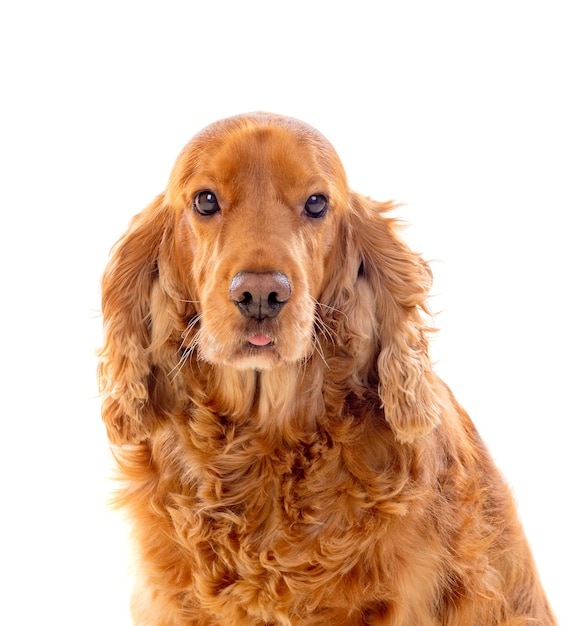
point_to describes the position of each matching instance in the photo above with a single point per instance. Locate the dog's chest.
(285, 523)
(280, 490)
(289, 508)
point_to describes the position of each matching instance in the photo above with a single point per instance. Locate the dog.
(288, 454)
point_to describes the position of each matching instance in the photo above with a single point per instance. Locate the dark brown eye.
(316, 205)
(205, 203)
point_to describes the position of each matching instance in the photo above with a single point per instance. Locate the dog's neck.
(283, 402)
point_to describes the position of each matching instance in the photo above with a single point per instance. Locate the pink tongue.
(259, 340)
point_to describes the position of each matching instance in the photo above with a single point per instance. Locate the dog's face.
(258, 209)
(256, 255)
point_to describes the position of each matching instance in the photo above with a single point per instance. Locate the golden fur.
(325, 477)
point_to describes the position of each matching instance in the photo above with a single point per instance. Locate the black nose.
(260, 294)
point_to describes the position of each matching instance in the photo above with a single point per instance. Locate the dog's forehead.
(260, 124)
(260, 144)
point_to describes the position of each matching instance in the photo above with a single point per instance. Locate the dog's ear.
(384, 287)
(136, 319)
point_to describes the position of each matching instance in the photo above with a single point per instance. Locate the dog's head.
(255, 256)
(257, 203)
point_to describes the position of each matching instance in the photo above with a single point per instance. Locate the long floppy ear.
(390, 283)
(136, 326)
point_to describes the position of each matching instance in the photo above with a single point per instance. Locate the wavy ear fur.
(390, 283)
(137, 323)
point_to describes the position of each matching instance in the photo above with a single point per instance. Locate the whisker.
(322, 327)
(318, 348)
(186, 350)
(329, 308)
(188, 301)
(176, 370)
(325, 330)
(192, 322)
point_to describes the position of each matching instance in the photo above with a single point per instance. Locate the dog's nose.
(260, 294)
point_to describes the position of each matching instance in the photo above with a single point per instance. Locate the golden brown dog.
(289, 457)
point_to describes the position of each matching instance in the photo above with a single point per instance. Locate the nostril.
(282, 289)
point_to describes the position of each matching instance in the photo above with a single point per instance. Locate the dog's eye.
(316, 205)
(205, 203)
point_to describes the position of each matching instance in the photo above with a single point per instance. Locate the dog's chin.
(258, 356)
(261, 359)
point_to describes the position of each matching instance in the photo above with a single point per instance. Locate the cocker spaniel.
(288, 455)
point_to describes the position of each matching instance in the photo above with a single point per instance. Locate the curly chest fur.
(267, 523)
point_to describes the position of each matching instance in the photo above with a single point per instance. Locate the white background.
(465, 111)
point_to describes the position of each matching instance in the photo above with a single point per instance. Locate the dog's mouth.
(258, 351)
(255, 344)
